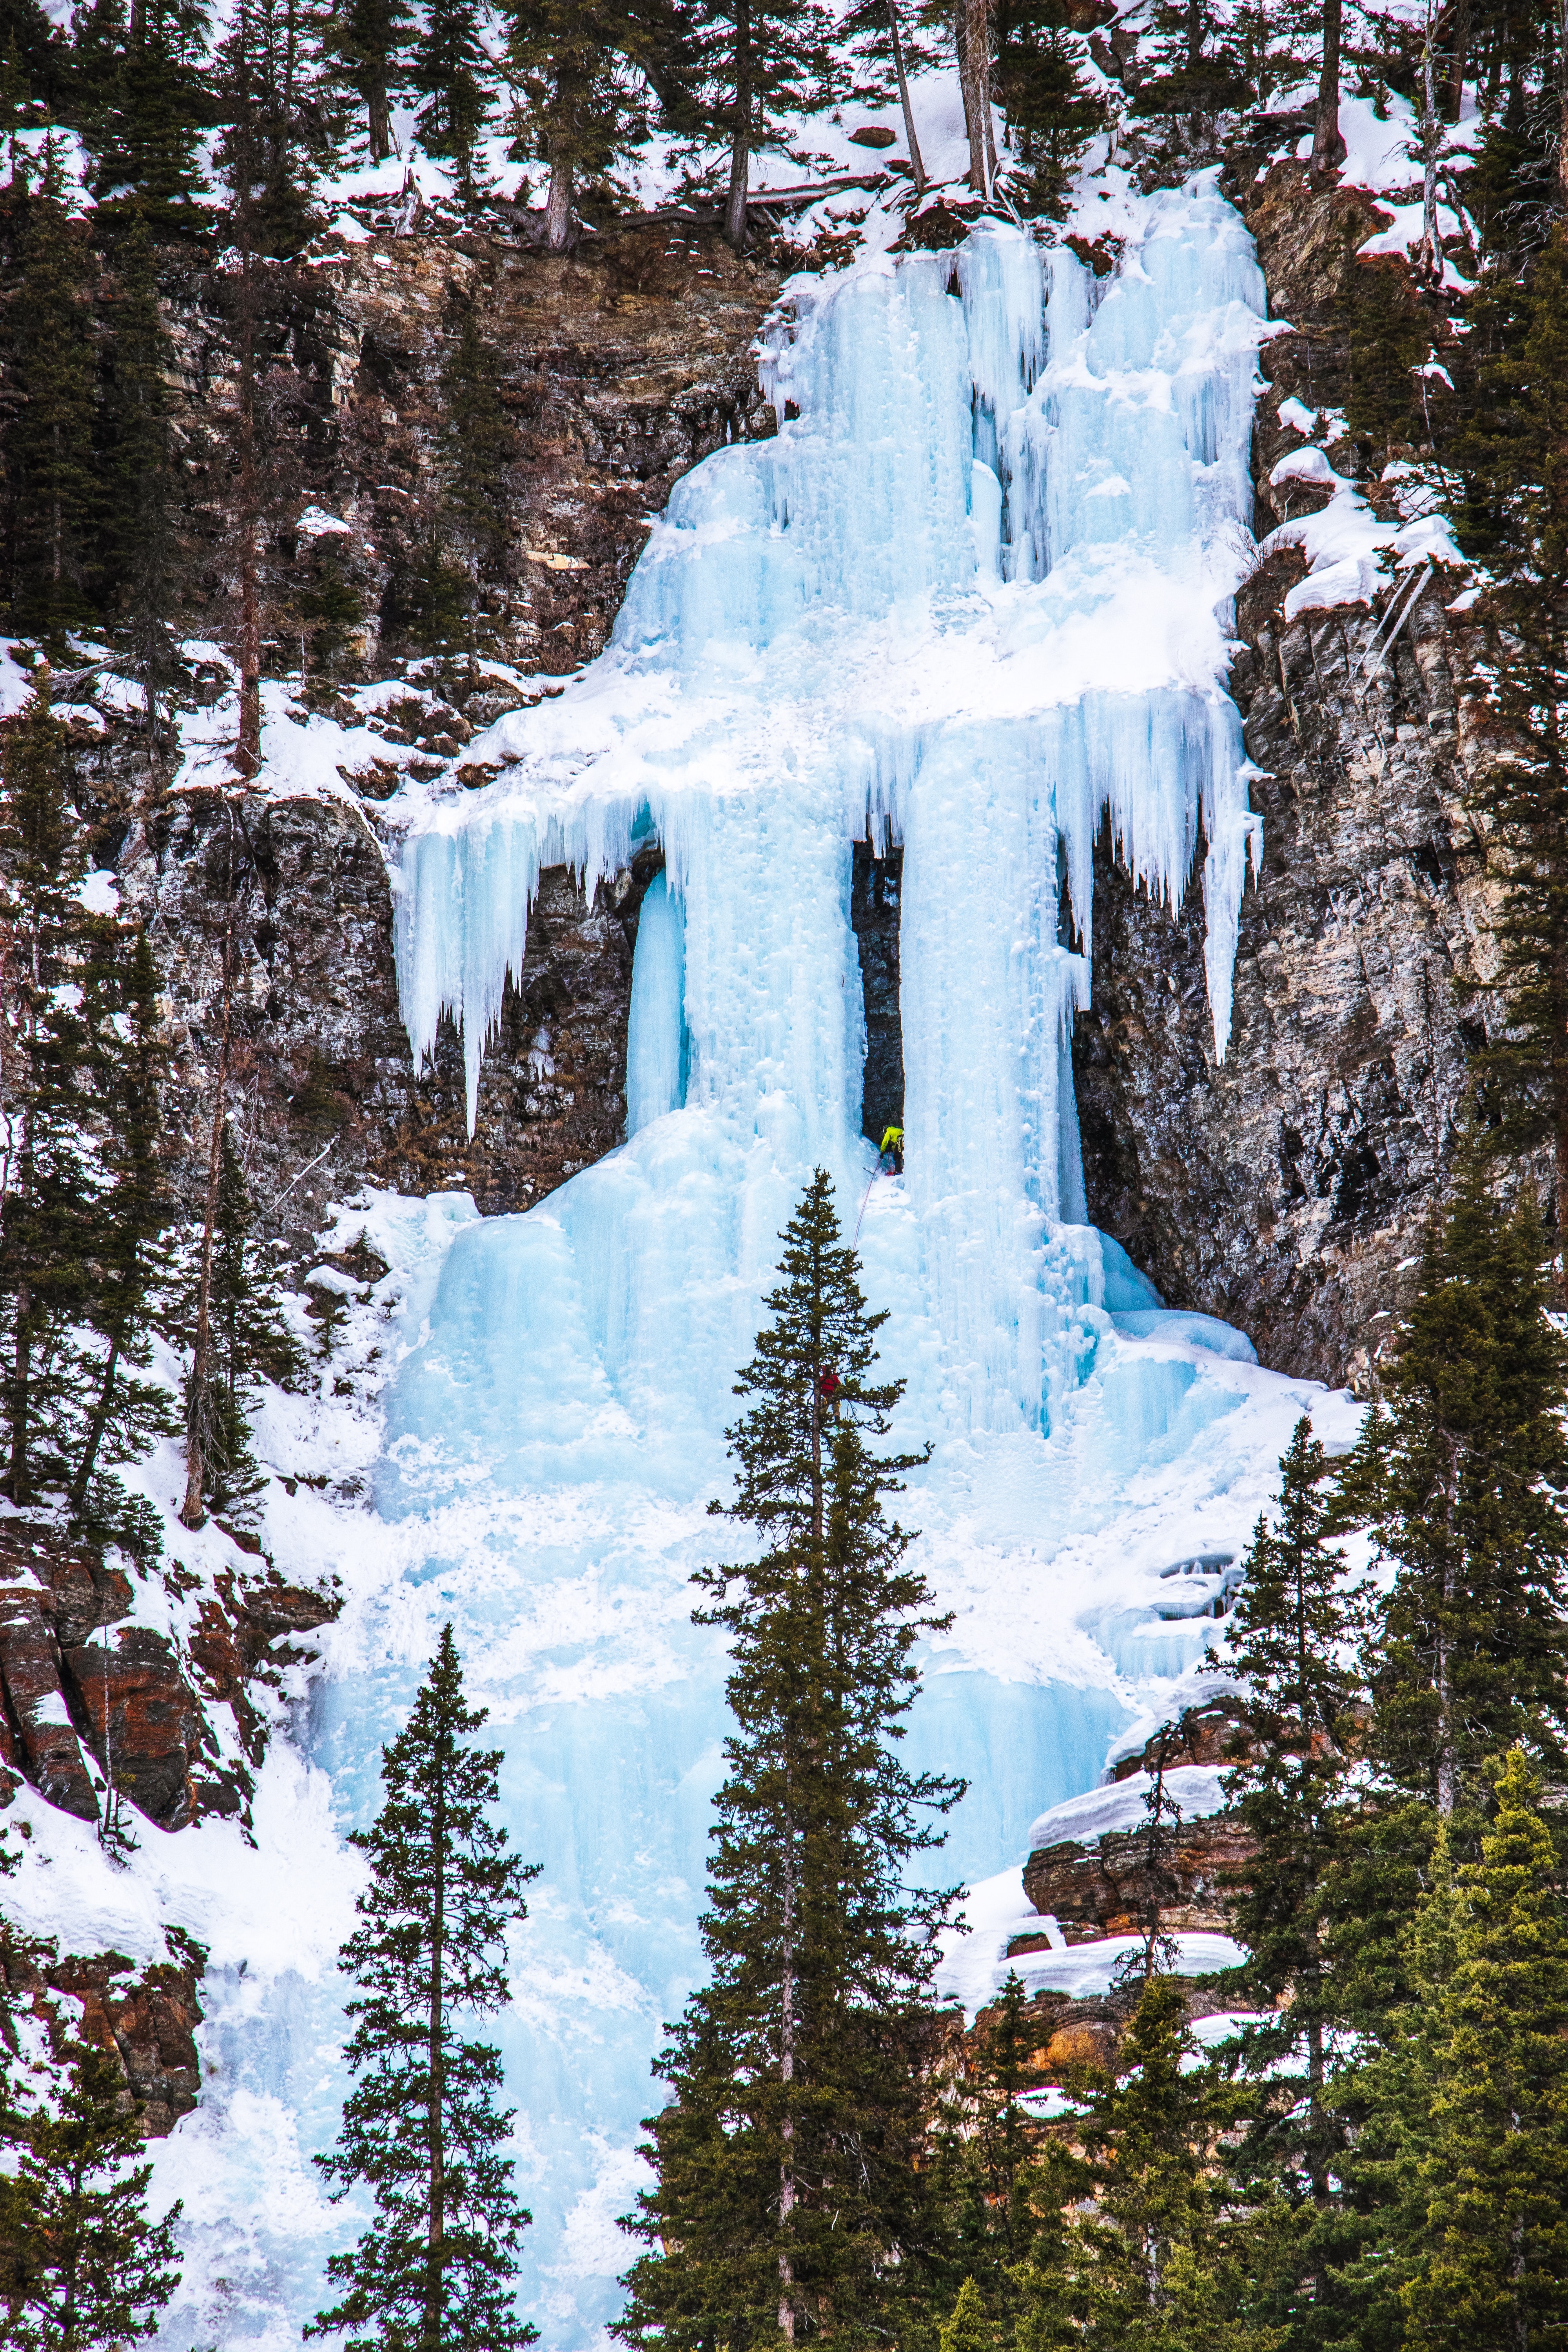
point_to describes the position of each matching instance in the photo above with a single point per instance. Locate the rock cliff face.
(149, 2023)
(1285, 1189)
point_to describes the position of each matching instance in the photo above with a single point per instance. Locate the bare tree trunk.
(910, 141)
(247, 751)
(1431, 140)
(563, 164)
(786, 2075)
(21, 1401)
(193, 1510)
(972, 34)
(1460, 58)
(741, 136)
(1562, 105)
(378, 115)
(435, 2249)
(1327, 147)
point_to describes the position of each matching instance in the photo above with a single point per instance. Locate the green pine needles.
(790, 2200)
(421, 2127)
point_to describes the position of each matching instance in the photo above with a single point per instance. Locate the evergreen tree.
(122, 1414)
(1052, 109)
(1491, 2262)
(144, 107)
(476, 445)
(451, 69)
(246, 1342)
(273, 138)
(1468, 1659)
(49, 455)
(1515, 458)
(1389, 339)
(97, 2271)
(1292, 1639)
(143, 490)
(759, 60)
(886, 51)
(789, 2199)
(1152, 2255)
(372, 46)
(576, 60)
(421, 2128)
(46, 1191)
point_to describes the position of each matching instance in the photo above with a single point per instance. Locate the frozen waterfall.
(974, 594)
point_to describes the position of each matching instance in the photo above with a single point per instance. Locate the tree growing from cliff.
(421, 2127)
(1515, 458)
(95, 2270)
(451, 69)
(789, 2194)
(476, 445)
(246, 1342)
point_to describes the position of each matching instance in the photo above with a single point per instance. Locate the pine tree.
(476, 445)
(1152, 2255)
(575, 61)
(421, 2128)
(48, 453)
(46, 1203)
(452, 71)
(759, 60)
(144, 107)
(1052, 109)
(1292, 1638)
(247, 1343)
(120, 1414)
(789, 2198)
(1515, 458)
(1490, 2264)
(372, 47)
(143, 491)
(1468, 1658)
(98, 2270)
(1388, 340)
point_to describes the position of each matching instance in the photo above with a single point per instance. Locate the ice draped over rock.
(975, 596)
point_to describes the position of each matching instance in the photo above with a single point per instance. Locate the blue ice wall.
(976, 593)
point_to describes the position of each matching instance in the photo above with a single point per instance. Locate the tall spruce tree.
(246, 1342)
(452, 71)
(1468, 1657)
(789, 2199)
(97, 2271)
(142, 486)
(577, 62)
(1515, 458)
(421, 2127)
(476, 445)
(120, 1414)
(48, 454)
(372, 49)
(1292, 1646)
(46, 1190)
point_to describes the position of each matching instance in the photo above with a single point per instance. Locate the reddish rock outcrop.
(1108, 1886)
(236, 1637)
(150, 2023)
(143, 1720)
(40, 1739)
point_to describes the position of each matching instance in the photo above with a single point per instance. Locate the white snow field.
(976, 593)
